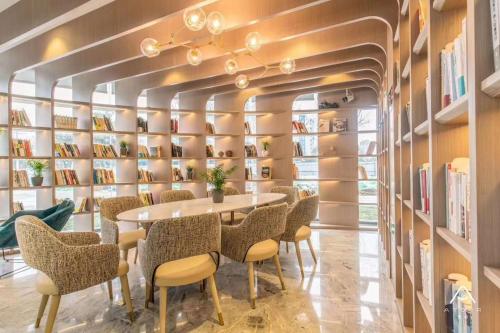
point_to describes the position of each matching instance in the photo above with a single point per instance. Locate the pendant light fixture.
(194, 19)
(215, 23)
(242, 81)
(231, 66)
(194, 56)
(253, 42)
(287, 66)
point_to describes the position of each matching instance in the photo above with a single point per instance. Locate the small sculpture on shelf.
(37, 167)
(220, 153)
(265, 148)
(229, 153)
(217, 178)
(124, 149)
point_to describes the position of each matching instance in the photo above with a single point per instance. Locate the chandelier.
(195, 19)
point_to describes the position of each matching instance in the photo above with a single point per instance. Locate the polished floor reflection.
(347, 291)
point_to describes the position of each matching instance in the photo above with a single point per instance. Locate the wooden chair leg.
(278, 269)
(163, 309)
(299, 258)
(110, 289)
(286, 247)
(136, 255)
(41, 310)
(125, 255)
(126, 296)
(148, 295)
(54, 306)
(309, 242)
(251, 285)
(215, 296)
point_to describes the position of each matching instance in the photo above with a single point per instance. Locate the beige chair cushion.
(128, 239)
(45, 285)
(303, 233)
(185, 271)
(238, 217)
(262, 250)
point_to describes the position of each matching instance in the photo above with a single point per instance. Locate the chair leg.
(278, 269)
(41, 310)
(163, 309)
(286, 247)
(126, 296)
(136, 255)
(54, 306)
(125, 255)
(251, 285)
(299, 258)
(312, 250)
(215, 296)
(148, 295)
(110, 289)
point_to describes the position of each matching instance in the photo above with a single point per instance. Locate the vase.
(190, 175)
(265, 153)
(218, 196)
(37, 180)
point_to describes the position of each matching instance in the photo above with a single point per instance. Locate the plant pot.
(190, 175)
(37, 181)
(123, 152)
(218, 196)
(265, 153)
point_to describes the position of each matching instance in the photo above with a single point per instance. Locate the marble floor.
(347, 291)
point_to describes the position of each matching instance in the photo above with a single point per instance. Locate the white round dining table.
(150, 214)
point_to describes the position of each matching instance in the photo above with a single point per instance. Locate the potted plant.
(124, 149)
(265, 148)
(37, 167)
(217, 178)
(190, 172)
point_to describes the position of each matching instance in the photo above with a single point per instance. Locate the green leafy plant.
(217, 176)
(266, 145)
(189, 168)
(123, 144)
(37, 166)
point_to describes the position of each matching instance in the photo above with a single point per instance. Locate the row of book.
(176, 150)
(458, 303)
(146, 198)
(102, 123)
(174, 125)
(20, 178)
(454, 69)
(210, 128)
(297, 149)
(20, 118)
(426, 265)
(66, 150)
(144, 176)
(66, 177)
(21, 148)
(425, 188)
(65, 122)
(210, 150)
(250, 151)
(299, 127)
(82, 205)
(458, 219)
(101, 150)
(151, 152)
(142, 125)
(142, 152)
(104, 176)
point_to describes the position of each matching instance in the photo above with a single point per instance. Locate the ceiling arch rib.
(370, 32)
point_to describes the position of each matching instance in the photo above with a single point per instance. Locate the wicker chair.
(289, 191)
(181, 251)
(256, 239)
(297, 229)
(68, 262)
(176, 195)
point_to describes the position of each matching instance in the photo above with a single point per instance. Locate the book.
(176, 150)
(177, 175)
(458, 303)
(104, 151)
(297, 149)
(20, 118)
(142, 125)
(248, 129)
(66, 122)
(362, 174)
(146, 198)
(422, 14)
(324, 126)
(82, 205)
(411, 242)
(248, 173)
(495, 32)
(144, 176)
(210, 150)
(66, 177)
(370, 150)
(66, 150)
(156, 151)
(21, 148)
(104, 176)
(265, 172)
(424, 188)
(457, 179)
(339, 125)
(250, 151)
(102, 123)
(20, 178)
(174, 125)
(299, 127)
(142, 152)
(426, 268)
(17, 206)
(210, 128)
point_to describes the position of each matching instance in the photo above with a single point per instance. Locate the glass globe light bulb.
(194, 19)
(253, 41)
(242, 81)
(215, 23)
(194, 56)
(231, 66)
(149, 47)
(287, 66)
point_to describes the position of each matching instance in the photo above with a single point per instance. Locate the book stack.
(426, 265)
(210, 128)
(176, 150)
(297, 149)
(458, 197)
(144, 176)
(20, 178)
(104, 151)
(20, 118)
(454, 69)
(142, 151)
(66, 150)
(17, 206)
(82, 205)
(495, 32)
(104, 176)
(248, 129)
(146, 198)
(210, 150)
(66, 177)
(299, 127)
(250, 151)
(102, 123)
(177, 175)
(65, 122)
(142, 125)
(458, 302)
(21, 148)
(339, 125)
(174, 125)
(425, 188)
(156, 151)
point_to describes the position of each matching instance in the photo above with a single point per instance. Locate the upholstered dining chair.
(68, 262)
(255, 239)
(298, 219)
(176, 195)
(289, 191)
(181, 251)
